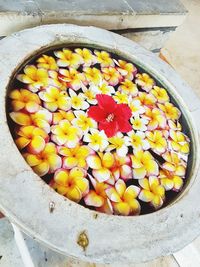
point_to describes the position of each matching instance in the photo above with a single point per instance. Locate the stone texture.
(112, 239)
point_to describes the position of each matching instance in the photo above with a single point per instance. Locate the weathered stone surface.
(25, 198)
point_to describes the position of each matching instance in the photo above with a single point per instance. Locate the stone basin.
(71, 229)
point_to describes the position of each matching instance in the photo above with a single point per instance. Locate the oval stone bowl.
(72, 229)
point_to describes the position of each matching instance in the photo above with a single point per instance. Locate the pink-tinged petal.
(120, 187)
(139, 173)
(146, 196)
(152, 167)
(101, 175)
(94, 162)
(157, 202)
(52, 106)
(144, 183)
(106, 208)
(17, 105)
(22, 142)
(113, 195)
(122, 208)
(74, 194)
(36, 145)
(55, 162)
(32, 107)
(32, 160)
(126, 172)
(168, 166)
(97, 113)
(131, 192)
(20, 118)
(106, 102)
(180, 171)
(61, 177)
(41, 169)
(69, 162)
(167, 183)
(94, 200)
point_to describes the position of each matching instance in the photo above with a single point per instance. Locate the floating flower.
(102, 88)
(179, 142)
(66, 134)
(98, 198)
(24, 99)
(47, 62)
(31, 137)
(118, 142)
(100, 165)
(121, 168)
(71, 184)
(55, 99)
(55, 81)
(111, 75)
(35, 77)
(89, 95)
(170, 181)
(63, 115)
(77, 101)
(139, 124)
(174, 125)
(157, 141)
(174, 164)
(145, 81)
(93, 75)
(137, 140)
(160, 94)
(83, 122)
(103, 58)
(120, 98)
(72, 77)
(111, 117)
(136, 107)
(128, 87)
(123, 198)
(44, 162)
(143, 164)
(87, 56)
(67, 58)
(74, 157)
(146, 99)
(128, 70)
(97, 140)
(152, 191)
(156, 119)
(170, 111)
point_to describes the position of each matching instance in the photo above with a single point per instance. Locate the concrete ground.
(182, 51)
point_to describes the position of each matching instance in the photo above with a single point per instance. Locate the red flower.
(111, 117)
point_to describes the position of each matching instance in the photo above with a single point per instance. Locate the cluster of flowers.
(106, 134)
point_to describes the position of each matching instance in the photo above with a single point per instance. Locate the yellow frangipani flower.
(160, 94)
(93, 75)
(63, 115)
(86, 55)
(47, 62)
(55, 80)
(100, 165)
(118, 142)
(128, 87)
(152, 191)
(77, 101)
(74, 157)
(179, 142)
(111, 75)
(67, 58)
(83, 122)
(24, 99)
(121, 168)
(156, 118)
(44, 162)
(174, 125)
(136, 107)
(66, 134)
(139, 124)
(103, 88)
(103, 58)
(174, 164)
(97, 140)
(171, 112)
(128, 70)
(146, 99)
(71, 184)
(98, 198)
(89, 95)
(35, 77)
(123, 198)
(31, 137)
(137, 140)
(145, 81)
(55, 99)
(170, 181)
(143, 164)
(157, 141)
(120, 98)
(72, 77)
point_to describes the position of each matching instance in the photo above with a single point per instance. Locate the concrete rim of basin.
(25, 198)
